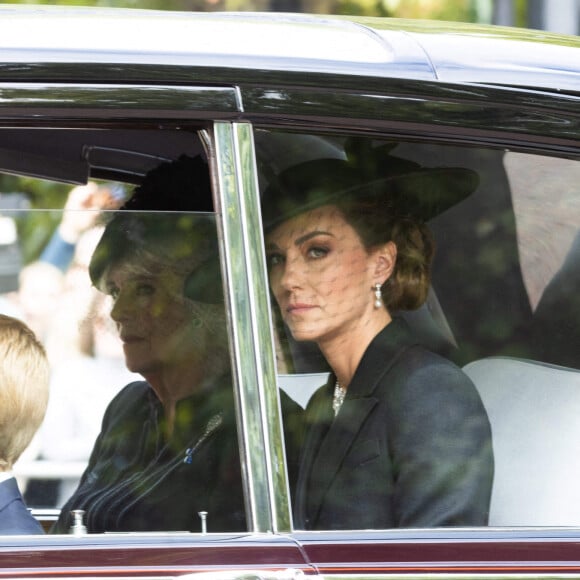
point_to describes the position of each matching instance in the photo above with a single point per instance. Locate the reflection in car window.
(546, 205)
(130, 306)
(174, 434)
(503, 287)
(168, 447)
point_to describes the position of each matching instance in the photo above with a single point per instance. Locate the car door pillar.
(260, 432)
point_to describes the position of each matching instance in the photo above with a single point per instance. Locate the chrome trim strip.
(240, 101)
(266, 485)
(452, 576)
(65, 100)
(250, 574)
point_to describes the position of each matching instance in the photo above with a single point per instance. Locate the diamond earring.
(378, 296)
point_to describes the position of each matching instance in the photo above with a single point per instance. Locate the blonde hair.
(24, 379)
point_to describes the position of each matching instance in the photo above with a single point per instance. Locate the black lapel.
(334, 447)
(379, 357)
(327, 448)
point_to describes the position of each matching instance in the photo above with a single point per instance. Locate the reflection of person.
(40, 285)
(76, 408)
(41, 282)
(80, 213)
(24, 374)
(398, 437)
(56, 298)
(168, 447)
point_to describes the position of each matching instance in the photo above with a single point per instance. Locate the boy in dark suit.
(24, 378)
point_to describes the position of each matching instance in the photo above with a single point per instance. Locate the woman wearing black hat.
(398, 437)
(168, 446)
(168, 452)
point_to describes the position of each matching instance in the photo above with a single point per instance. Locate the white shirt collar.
(6, 475)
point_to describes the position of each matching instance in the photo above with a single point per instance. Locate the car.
(103, 96)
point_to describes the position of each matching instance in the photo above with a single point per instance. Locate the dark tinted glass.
(124, 290)
(502, 305)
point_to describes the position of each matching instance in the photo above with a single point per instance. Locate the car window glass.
(140, 432)
(502, 307)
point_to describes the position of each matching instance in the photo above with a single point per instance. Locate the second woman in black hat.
(398, 437)
(168, 451)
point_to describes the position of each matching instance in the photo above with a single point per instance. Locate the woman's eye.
(274, 260)
(317, 252)
(145, 289)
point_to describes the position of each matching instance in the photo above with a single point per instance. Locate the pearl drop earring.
(378, 296)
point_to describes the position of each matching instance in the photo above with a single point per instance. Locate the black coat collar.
(379, 357)
(329, 438)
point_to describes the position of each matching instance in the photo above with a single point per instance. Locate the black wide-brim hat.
(168, 216)
(401, 187)
(173, 238)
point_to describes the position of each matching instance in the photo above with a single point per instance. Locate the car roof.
(372, 47)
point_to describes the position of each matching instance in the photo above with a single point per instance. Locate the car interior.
(485, 311)
(502, 305)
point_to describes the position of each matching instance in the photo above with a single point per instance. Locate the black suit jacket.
(14, 517)
(410, 447)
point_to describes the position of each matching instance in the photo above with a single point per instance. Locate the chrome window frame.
(231, 151)
(267, 492)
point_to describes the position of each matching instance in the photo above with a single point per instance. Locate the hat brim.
(420, 194)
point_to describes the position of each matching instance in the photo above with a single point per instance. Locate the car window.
(110, 254)
(501, 306)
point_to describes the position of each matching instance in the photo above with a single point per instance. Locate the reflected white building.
(561, 16)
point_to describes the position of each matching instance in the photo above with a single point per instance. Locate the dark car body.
(81, 89)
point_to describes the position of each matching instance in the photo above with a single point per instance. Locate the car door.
(487, 289)
(56, 138)
(504, 253)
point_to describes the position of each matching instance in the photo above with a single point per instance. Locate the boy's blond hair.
(24, 379)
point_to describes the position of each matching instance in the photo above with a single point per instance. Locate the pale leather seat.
(301, 387)
(534, 410)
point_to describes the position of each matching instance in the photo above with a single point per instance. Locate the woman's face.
(158, 326)
(321, 274)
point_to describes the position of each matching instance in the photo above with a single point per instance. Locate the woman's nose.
(292, 274)
(121, 307)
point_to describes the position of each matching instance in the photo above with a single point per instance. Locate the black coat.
(410, 447)
(137, 479)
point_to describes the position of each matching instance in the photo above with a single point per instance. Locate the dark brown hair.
(377, 223)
